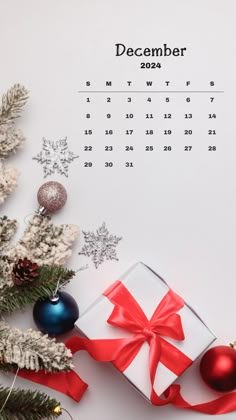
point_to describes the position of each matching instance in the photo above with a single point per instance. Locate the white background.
(177, 216)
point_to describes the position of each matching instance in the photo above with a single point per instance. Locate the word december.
(149, 52)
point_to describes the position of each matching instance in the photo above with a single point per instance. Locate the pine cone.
(24, 271)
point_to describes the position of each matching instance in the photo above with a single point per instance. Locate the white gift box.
(148, 289)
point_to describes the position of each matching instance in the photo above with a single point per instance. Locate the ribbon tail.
(68, 383)
(221, 405)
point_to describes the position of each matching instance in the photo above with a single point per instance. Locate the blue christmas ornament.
(56, 315)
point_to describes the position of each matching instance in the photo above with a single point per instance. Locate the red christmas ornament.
(218, 368)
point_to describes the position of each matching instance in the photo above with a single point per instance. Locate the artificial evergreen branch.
(27, 405)
(8, 177)
(5, 272)
(47, 248)
(7, 231)
(32, 350)
(12, 103)
(11, 139)
(45, 243)
(15, 297)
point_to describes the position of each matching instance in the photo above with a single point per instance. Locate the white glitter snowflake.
(55, 157)
(100, 245)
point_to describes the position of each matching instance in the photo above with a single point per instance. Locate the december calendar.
(149, 114)
(132, 109)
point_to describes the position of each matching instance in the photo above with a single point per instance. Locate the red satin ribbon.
(128, 315)
(68, 383)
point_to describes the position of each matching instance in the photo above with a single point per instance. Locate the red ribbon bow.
(128, 315)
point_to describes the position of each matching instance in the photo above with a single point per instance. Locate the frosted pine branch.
(7, 231)
(44, 243)
(8, 177)
(32, 350)
(12, 103)
(5, 273)
(11, 139)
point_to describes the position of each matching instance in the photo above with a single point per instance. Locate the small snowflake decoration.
(55, 157)
(100, 245)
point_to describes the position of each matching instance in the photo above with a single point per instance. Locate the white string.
(67, 413)
(28, 215)
(82, 268)
(57, 286)
(10, 390)
(38, 212)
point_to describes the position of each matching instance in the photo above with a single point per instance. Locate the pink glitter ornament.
(51, 196)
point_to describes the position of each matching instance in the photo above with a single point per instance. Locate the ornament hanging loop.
(54, 296)
(84, 267)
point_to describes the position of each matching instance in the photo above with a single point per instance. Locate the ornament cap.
(41, 211)
(54, 298)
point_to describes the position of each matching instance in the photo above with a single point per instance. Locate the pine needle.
(7, 231)
(12, 103)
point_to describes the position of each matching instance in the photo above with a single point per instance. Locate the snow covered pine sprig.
(11, 137)
(31, 350)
